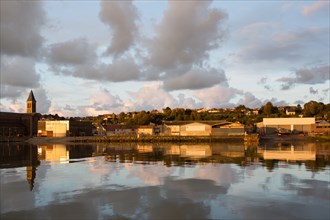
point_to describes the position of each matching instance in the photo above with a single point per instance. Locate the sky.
(88, 58)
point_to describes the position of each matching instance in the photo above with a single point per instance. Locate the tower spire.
(31, 103)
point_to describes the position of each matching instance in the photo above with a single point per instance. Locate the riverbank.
(168, 139)
(143, 139)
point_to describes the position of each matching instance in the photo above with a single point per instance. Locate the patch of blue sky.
(69, 21)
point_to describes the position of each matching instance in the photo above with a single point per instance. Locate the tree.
(298, 109)
(142, 118)
(240, 108)
(268, 109)
(121, 117)
(313, 108)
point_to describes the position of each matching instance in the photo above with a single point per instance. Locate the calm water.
(204, 181)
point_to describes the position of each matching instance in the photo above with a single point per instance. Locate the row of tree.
(241, 113)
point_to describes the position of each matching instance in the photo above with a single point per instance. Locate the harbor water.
(165, 181)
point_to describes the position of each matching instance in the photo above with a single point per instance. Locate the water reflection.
(170, 155)
(152, 181)
(21, 156)
(54, 152)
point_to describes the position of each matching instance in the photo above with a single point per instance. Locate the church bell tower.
(31, 103)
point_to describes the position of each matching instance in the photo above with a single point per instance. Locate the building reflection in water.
(242, 155)
(14, 156)
(54, 152)
(290, 152)
(174, 155)
(141, 148)
(315, 155)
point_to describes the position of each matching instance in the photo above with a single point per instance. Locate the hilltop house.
(290, 111)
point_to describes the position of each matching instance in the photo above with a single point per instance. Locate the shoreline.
(127, 139)
(174, 139)
(165, 139)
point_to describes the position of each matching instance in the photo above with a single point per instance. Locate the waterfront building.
(187, 128)
(203, 128)
(146, 130)
(63, 128)
(20, 124)
(321, 127)
(292, 125)
(120, 129)
(229, 129)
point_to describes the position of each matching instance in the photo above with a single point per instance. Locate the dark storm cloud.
(314, 75)
(74, 52)
(196, 79)
(120, 16)
(188, 31)
(20, 27)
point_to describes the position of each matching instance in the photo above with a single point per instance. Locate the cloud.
(217, 96)
(249, 100)
(18, 72)
(272, 44)
(188, 31)
(299, 102)
(152, 96)
(78, 58)
(43, 101)
(104, 98)
(201, 33)
(314, 75)
(99, 103)
(20, 27)
(120, 16)
(124, 69)
(316, 6)
(263, 80)
(148, 97)
(313, 91)
(11, 92)
(269, 51)
(188, 102)
(196, 79)
(74, 52)
(18, 95)
(276, 102)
